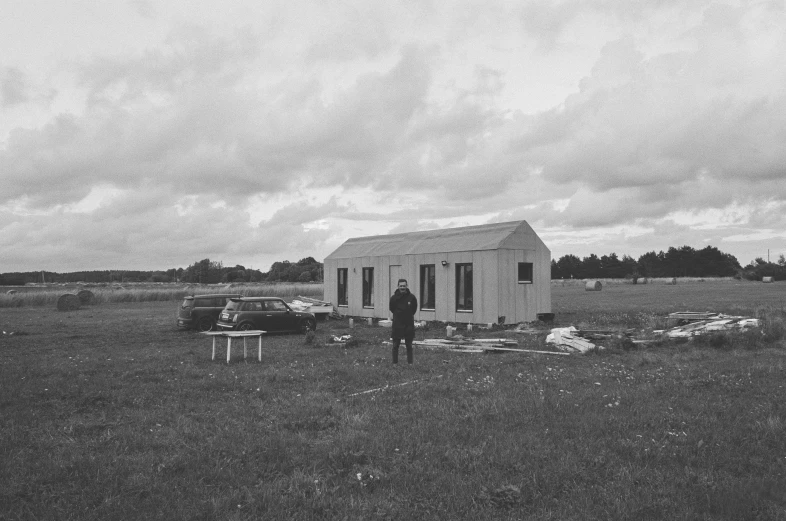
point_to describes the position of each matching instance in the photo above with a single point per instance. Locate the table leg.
(260, 348)
(214, 348)
(229, 347)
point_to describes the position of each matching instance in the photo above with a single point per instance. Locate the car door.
(254, 312)
(281, 317)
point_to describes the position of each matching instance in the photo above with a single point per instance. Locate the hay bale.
(673, 281)
(593, 285)
(768, 279)
(85, 296)
(68, 302)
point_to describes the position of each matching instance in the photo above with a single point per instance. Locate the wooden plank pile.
(475, 345)
(691, 324)
(320, 307)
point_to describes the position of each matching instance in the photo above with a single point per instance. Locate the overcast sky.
(149, 135)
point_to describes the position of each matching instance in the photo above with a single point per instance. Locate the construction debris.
(317, 307)
(568, 339)
(695, 324)
(603, 334)
(462, 344)
(681, 318)
(340, 340)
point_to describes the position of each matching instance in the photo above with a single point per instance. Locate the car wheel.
(205, 324)
(307, 325)
(245, 326)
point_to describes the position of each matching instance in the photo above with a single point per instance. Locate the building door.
(395, 274)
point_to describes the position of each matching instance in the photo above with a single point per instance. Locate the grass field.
(110, 412)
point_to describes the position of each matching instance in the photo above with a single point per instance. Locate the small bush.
(620, 343)
(774, 329)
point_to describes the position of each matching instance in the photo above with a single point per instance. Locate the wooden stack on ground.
(475, 345)
(320, 307)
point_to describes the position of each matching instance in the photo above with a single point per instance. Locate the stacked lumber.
(475, 345)
(314, 301)
(680, 318)
(319, 306)
(572, 340)
(603, 334)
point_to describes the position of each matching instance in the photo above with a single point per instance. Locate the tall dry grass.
(644, 280)
(170, 292)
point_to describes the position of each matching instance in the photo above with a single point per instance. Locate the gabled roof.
(510, 235)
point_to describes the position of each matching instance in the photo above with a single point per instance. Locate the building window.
(368, 287)
(463, 287)
(427, 286)
(342, 287)
(525, 273)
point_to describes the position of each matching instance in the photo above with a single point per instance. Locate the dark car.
(201, 311)
(269, 314)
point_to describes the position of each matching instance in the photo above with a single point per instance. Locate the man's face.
(402, 287)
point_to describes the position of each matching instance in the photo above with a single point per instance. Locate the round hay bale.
(593, 285)
(673, 281)
(85, 296)
(768, 279)
(11, 292)
(68, 302)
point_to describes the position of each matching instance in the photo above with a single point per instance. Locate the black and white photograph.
(357, 260)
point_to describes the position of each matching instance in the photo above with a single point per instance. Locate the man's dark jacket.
(403, 305)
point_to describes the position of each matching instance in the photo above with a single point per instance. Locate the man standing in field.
(403, 306)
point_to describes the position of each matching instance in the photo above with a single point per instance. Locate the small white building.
(472, 274)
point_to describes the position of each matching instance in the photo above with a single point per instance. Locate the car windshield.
(233, 305)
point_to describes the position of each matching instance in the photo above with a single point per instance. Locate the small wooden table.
(229, 335)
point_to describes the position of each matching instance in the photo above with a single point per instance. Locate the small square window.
(525, 273)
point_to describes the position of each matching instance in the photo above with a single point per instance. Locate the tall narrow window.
(463, 287)
(427, 286)
(342, 287)
(525, 273)
(368, 287)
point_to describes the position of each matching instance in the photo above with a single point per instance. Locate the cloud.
(436, 115)
(143, 8)
(13, 88)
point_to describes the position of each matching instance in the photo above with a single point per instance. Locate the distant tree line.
(204, 272)
(97, 277)
(760, 268)
(676, 262)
